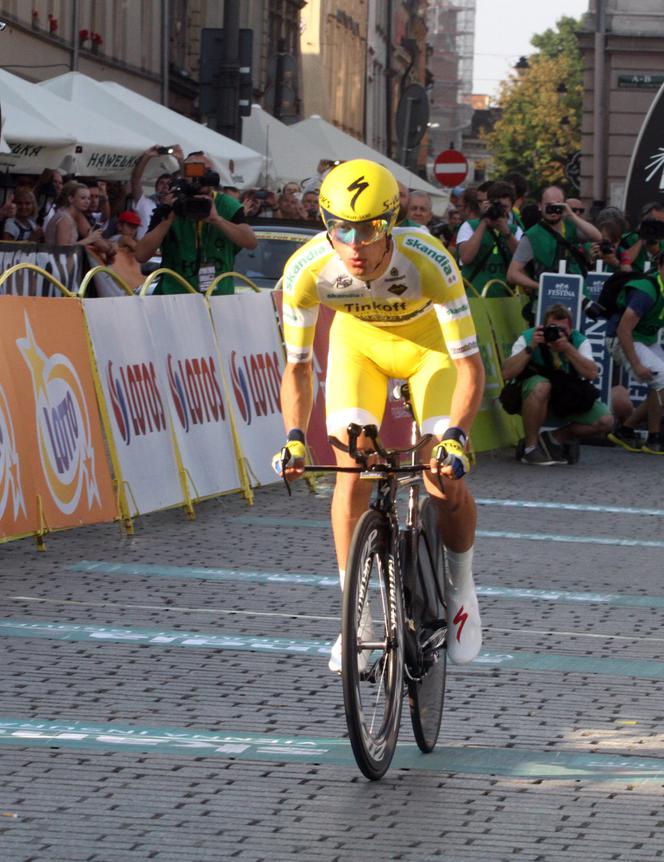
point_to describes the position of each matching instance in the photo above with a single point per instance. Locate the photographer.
(611, 250)
(555, 238)
(553, 364)
(485, 245)
(632, 338)
(643, 246)
(200, 230)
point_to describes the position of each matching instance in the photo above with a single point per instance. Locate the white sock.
(342, 578)
(527, 451)
(460, 569)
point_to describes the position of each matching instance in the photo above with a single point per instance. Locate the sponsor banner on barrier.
(52, 443)
(65, 263)
(492, 427)
(252, 354)
(136, 401)
(595, 332)
(188, 361)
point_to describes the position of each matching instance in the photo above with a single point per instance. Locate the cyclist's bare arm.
(468, 391)
(297, 396)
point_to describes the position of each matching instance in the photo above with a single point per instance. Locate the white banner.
(188, 362)
(252, 354)
(136, 401)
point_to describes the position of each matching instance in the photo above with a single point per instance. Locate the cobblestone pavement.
(166, 696)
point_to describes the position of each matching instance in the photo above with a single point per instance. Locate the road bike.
(395, 577)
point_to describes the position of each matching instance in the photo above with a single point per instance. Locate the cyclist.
(402, 312)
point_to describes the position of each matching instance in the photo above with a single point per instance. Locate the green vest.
(492, 263)
(627, 240)
(547, 253)
(188, 245)
(537, 357)
(647, 329)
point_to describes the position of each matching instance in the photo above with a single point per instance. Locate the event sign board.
(65, 263)
(563, 288)
(595, 332)
(253, 360)
(189, 373)
(52, 444)
(645, 177)
(136, 401)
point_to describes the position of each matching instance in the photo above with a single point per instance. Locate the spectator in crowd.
(632, 337)
(482, 190)
(469, 205)
(520, 186)
(69, 226)
(553, 239)
(232, 192)
(291, 188)
(198, 249)
(290, 207)
(260, 203)
(612, 225)
(455, 196)
(420, 209)
(99, 212)
(7, 211)
(643, 245)
(485, 244)
(549, 360)
(23, 226)
(310, 204)
(47, 189)
(530, 215)
(402, 215)
(125, 263)
(145, 205)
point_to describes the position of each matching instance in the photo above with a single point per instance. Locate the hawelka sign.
(253, 359)
(645, 178)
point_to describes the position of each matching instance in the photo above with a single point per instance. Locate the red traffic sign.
(450, 168)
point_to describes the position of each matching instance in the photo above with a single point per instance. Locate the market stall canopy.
(287, 155)
(46, 131)
(237, 165)
(332, 143)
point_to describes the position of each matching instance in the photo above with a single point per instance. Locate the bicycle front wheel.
(372, 646)
(427, 693)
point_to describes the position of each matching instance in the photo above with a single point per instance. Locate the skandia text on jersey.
(436, 256)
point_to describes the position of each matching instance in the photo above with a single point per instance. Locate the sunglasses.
(578, 210)
(357, 233)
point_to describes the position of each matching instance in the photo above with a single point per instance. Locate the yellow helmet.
(359, 191)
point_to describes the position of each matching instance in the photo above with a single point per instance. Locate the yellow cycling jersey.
(421, 278)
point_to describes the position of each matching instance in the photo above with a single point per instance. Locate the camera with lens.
(495, 211)
(554, 209)
(551, 332)
(187, 191)
(651, 230)
(605, 247)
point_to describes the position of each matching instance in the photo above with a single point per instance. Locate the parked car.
(277, 240)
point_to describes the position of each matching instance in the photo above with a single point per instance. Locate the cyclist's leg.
(432, 387)
(355, 392)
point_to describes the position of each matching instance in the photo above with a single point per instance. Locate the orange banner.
(51, 443)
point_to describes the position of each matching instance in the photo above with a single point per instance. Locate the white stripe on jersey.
(464, 347)
(300, 317)
(453, 310)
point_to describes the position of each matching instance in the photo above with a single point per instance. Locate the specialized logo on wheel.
(11, 492)
(62, 425)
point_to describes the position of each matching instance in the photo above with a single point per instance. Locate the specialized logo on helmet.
(360, 184)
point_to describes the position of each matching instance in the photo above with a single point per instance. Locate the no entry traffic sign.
(450, 168)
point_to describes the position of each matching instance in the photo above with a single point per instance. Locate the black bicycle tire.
(373, 750)
(426, 696)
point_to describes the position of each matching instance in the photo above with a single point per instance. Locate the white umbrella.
(236, 164)
(47, 131)
(332, 143)
(287, 155)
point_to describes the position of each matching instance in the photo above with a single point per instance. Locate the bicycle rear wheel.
(426, 695)
(372, 661)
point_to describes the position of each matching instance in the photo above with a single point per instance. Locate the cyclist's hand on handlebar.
(289, 462)
(449, 459)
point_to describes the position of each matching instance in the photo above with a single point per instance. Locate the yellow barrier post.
(223, 275)
(508, 291)
(105, 269)
(154, 275)
(34, 268)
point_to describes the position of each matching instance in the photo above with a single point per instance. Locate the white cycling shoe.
(365, 631)
(464, 626)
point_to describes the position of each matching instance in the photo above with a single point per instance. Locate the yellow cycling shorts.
(362, 359)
